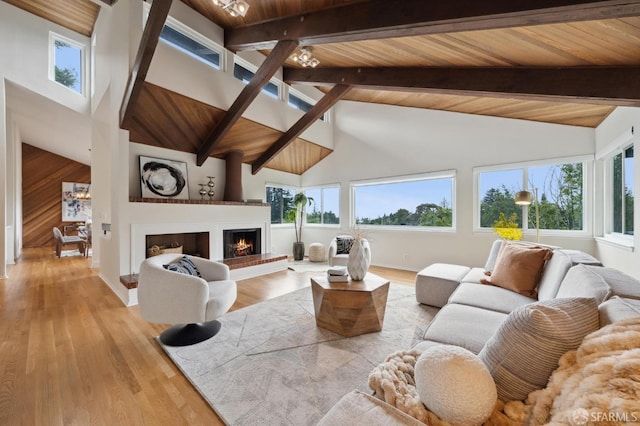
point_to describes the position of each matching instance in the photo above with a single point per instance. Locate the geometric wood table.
(350, 308)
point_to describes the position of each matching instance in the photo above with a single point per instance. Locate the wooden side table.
(350, 308)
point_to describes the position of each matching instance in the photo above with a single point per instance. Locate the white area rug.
(271, 365)
(306, 266)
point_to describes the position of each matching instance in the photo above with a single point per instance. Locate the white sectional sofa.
(472, 312)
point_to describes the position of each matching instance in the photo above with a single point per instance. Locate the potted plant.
(300, 202)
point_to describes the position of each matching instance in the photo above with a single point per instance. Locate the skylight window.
(67, 58)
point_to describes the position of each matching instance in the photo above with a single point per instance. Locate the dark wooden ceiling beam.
(380, 19)
(593, 85)
(148, 43)
(271, 64)
(315, 112)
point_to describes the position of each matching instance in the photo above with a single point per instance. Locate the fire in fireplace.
(241, 242)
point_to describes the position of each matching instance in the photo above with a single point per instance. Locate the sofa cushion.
(465, 326)
(554, 271)
(581, 281)
(367, 410)
(519, 268)
(618, 309)
(525, 350)
(489, 297)
(620, 283)
(436, 282)
(343, 245)
(475, 275)
(183, 265)
(493, 255)
(447, 375)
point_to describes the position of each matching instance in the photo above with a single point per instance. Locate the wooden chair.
(62, 240)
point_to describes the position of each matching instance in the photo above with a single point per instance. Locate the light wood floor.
(72, 354)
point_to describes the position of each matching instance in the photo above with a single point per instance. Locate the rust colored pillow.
(519, 268)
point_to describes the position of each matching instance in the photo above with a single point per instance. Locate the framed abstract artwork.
(163, 178)
(76, 201)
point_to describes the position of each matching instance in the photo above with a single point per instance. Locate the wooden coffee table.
(350, 308)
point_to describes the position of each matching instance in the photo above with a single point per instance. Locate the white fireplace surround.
(139, 232)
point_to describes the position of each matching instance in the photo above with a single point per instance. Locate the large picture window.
(281, 200)
(559, 187)
(325, 209)
(425, 201)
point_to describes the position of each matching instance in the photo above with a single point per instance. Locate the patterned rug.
(271, 365)
(306, 266)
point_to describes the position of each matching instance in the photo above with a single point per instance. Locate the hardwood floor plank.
(72, 354)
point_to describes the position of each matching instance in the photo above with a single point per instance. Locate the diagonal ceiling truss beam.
(148, 43)
(593, 85)
(378, 19)
(271, 64)
(316, 111)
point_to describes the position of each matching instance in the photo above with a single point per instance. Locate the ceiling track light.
(305, 58)
(233, 7)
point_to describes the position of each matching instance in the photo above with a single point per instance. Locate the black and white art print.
(163, 178)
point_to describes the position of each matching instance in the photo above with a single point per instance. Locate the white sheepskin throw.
(455, 384)
(599, 382)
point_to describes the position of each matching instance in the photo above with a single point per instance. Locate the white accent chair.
(336, 259)
(63, 240)
(190, 302)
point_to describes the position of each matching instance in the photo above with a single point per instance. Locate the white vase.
(358, 264)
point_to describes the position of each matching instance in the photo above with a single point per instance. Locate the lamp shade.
(523, 198)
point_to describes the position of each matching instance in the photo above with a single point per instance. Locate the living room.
(370, 143)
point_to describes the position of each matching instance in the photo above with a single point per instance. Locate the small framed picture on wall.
(161, 178)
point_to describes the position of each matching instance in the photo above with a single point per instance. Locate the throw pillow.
(343, 245)
(184, 265)
(525, 349)
(519, 268)
(454, 384)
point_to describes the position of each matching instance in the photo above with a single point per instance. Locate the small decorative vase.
(203, 191)
(298, 250)
(211, 184)
(357, 264)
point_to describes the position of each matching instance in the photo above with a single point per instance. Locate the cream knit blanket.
(599, 383)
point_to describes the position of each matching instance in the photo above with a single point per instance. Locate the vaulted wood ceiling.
(558, 61)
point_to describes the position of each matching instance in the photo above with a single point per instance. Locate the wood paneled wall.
(42, 175)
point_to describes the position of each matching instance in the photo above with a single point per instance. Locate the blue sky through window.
(373, 201)
(70, 57)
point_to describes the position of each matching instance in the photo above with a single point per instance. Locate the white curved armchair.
(340, 259)
(190, 302)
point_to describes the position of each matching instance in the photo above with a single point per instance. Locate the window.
(245, 75)
(325, 208)
(424, 201)
(187, 44)
(622, 191)
(298, 102)
(67, 58)
(560, 190)
(281, 200)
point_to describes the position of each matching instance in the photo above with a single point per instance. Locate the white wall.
(375, 141)
(615, 255)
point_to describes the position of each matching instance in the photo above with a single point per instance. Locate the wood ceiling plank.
(381, 19)
(596, 85)
(271, 64)
(148, 43)
(76, 15)
(322, 106)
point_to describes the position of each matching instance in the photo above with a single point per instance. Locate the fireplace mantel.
(256, 203)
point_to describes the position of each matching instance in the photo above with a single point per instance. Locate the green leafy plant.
(300, 201)
(507, 228)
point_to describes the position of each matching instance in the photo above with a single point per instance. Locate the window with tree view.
(282, 207)
(325, 208)
(422, 203)
(560, 196)
(67, 63)
(622, 192)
